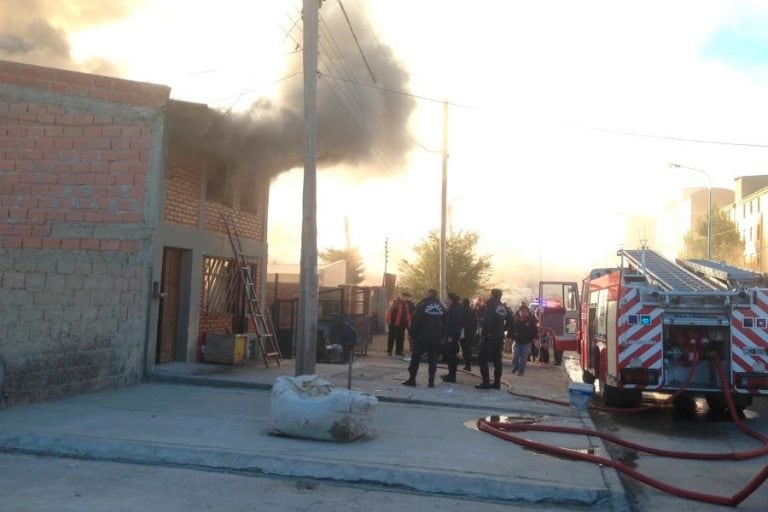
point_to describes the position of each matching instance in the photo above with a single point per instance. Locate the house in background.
(748, 211)
(683, 215)
(113, 249)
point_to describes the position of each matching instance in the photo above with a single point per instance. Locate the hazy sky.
(567, 113)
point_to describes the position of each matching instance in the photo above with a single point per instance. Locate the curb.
(474, 485)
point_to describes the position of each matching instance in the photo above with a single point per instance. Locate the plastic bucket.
(579, 395)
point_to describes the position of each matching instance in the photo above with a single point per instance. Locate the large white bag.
(309, 407)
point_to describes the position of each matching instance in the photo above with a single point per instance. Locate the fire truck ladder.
(664, 273)
(724, 275)
(265, 331)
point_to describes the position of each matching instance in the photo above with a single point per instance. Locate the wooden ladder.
(265, 330)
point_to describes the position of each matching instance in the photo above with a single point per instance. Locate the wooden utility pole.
(444, 199)
(306, 340)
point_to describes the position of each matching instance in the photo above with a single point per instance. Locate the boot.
(467, 367)
(484, 385)
(496, 384)
(431, 383)
(410, 382)
(448, 378)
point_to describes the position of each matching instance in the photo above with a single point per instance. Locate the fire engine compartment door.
(691, 318)
(558, 308)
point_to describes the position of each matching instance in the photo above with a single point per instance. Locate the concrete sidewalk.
(424, 439)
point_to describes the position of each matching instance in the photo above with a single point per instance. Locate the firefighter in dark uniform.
(493, 340)
(428, 331)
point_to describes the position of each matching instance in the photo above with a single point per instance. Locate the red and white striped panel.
(638, 345)
(749, 345)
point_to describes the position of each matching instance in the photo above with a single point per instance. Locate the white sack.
(309, 407)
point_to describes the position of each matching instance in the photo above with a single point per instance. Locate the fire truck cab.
(656, 325)
(557, 310)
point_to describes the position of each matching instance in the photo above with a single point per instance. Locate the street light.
(709, 203)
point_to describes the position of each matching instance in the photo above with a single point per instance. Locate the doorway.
(168, 316)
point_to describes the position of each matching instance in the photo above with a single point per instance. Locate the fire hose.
(502, 430)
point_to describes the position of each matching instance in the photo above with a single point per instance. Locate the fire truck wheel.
(684, 408)
(718, 407)
(616, 397)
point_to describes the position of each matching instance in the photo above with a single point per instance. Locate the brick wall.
(75, 157)
(84, 85)
(182, 190)
(249, 225)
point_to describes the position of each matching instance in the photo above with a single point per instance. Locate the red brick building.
(113, 252)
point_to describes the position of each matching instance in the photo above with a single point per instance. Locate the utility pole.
(386, 259)
(306, 340)
(443, 204)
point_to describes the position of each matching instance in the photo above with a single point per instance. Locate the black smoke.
(35, 31)
(359, 123)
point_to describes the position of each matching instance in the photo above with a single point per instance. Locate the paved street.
(203, 430)
(697, 435)
(44, 484)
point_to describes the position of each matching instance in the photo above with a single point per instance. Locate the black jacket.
(469, 321)
(493, 322)
(526, 330)
(428, 324)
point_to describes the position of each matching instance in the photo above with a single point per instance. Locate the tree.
(466, 273)
(355, 266)
(727, 244)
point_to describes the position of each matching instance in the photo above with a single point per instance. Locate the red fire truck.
(656, 325)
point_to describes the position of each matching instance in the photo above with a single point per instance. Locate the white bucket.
(579, 395)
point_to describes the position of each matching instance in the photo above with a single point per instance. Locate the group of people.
(434, 328)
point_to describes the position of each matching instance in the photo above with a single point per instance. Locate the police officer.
(493, 340)
(428, 330)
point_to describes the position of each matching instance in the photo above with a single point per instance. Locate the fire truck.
(654, 325)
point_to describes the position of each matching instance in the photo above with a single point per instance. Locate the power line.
(354, 36)
(379, 152)
(256, 88)
(665, 137)
(339, 56)
(373, 33)
(403, 93)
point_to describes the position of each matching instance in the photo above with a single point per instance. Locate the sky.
(564, 115)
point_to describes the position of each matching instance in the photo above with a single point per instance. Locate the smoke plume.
(361, 126)
(35, 31)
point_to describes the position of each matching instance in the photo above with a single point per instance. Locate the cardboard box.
(224, 348)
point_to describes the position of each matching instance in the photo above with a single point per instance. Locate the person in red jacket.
(398, 318)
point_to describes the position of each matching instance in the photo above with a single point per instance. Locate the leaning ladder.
(265, 331)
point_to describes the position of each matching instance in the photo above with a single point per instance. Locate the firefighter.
(453, 318)
(428, 331)
(492, 340)
(469, 329)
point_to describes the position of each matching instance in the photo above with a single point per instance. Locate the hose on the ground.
(502, 430)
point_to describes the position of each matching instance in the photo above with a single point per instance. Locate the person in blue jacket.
(428, 330)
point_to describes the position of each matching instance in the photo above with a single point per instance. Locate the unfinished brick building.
(113, 253)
